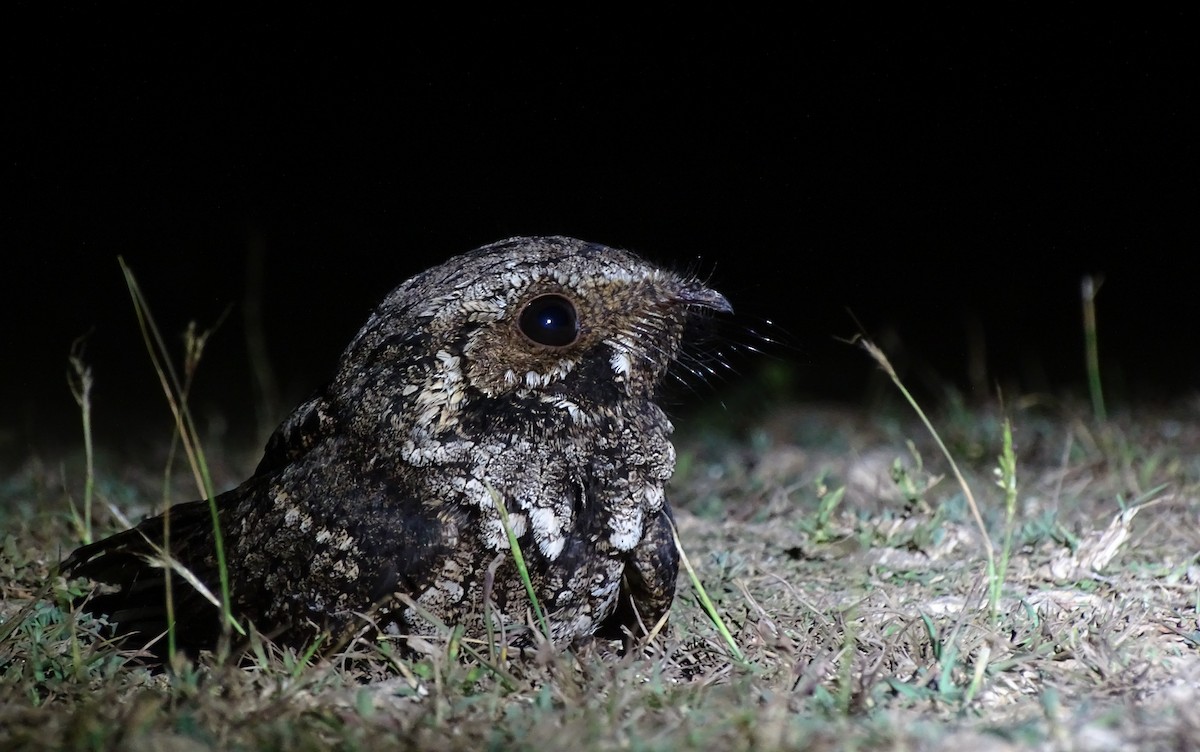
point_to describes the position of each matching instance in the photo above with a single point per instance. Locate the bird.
(511, 393)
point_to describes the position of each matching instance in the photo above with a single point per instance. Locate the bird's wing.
(135, 563)
(648, 585)
(298, 433)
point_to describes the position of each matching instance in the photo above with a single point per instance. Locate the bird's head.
(527, 326)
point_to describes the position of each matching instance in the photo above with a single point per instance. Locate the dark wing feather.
(648, 585)
(130, 563)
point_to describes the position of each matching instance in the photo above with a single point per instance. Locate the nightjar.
(523, 373)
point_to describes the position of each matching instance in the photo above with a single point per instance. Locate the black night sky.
(949, 180)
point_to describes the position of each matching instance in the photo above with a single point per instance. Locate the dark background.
(949, 180)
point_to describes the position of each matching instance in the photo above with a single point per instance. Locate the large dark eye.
(550, 320)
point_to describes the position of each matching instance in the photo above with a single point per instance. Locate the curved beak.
(705, 297)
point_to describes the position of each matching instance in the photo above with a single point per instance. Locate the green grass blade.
(705, 602)
(519, 562)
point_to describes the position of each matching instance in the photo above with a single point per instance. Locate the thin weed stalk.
(1006, 478)
(989, 549)
(174, 391)
(977, 674)
(1089, 289)
(845, 672)
(81, 383)
(193, 350)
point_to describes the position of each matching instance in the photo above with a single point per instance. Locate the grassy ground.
(837, 545)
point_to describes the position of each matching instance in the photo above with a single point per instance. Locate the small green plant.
(913, 484)
(40, 650)
(820, 526)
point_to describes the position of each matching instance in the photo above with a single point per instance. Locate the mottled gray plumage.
(470, 380)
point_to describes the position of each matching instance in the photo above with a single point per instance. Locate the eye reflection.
(550, 320)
